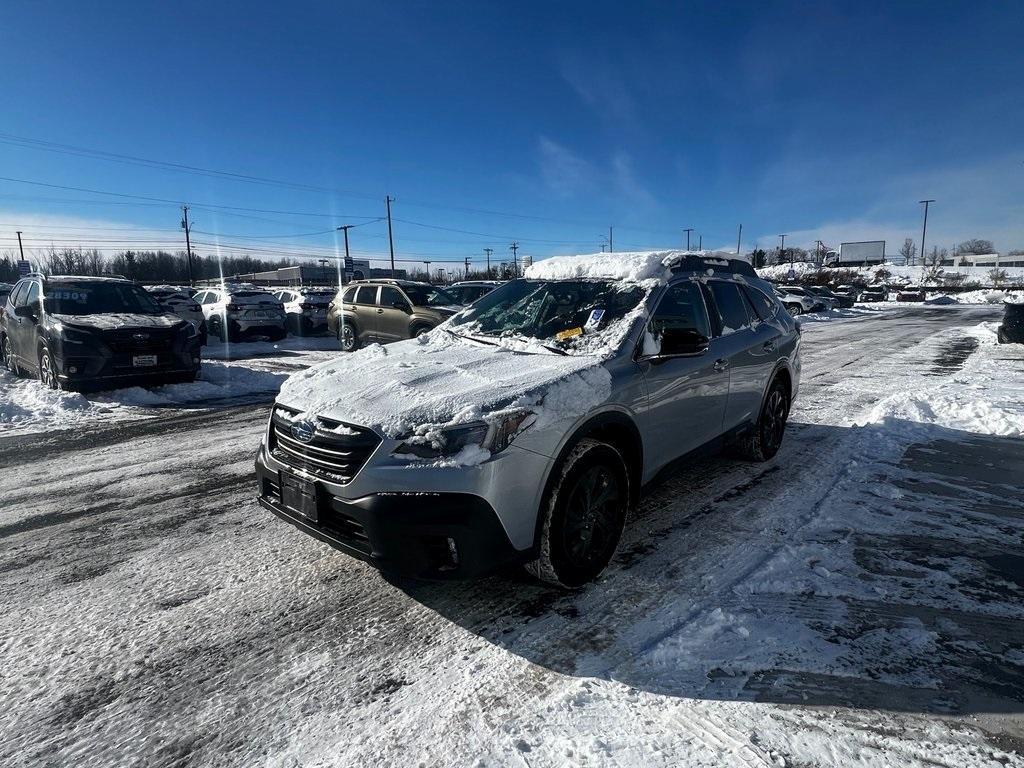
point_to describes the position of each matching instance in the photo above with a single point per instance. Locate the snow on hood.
(438, 379)
(116, 321)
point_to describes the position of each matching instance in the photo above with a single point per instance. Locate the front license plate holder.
(299, 495)
(143, 361)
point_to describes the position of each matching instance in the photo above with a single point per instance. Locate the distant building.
(988, 260)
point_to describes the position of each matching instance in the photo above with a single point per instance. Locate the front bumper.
(428, 535)
(99, 366)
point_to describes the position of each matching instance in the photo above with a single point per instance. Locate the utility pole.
(700, 242)
(924, 228)
(488, 251)
(739, 236)
(611, 247)
(466, 262)
(782, 250)
(428, 270)
(345, 230)
(688, 230)
(21, 250)
(391, 240)
(515, 261)
(188, 242)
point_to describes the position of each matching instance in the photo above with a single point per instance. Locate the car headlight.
(72, 335)
(493, 435)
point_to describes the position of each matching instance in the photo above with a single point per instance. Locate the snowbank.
(985, 397)
(27, 406)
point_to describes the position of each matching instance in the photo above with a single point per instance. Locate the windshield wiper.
(470, 338)
(556, 350)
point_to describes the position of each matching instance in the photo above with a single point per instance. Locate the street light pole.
(688, 230)
(924, 227)
(782, 250)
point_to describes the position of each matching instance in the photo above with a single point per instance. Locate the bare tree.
(976, 246)
(908, 251)
(998, 276)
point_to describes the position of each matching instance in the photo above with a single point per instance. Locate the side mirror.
(25, 310)
(683, 341)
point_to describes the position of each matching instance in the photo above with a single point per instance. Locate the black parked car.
(1011, 331)
(94, 333)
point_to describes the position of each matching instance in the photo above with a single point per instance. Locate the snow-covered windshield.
(96, 298)
(571, 316)
(422, 296)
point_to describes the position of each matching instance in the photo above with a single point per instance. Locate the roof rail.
(690, 262)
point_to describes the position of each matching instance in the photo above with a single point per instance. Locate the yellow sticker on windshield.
(563, 335)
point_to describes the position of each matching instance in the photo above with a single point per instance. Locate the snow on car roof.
(631, 267)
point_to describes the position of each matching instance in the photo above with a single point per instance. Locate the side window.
(681, 309)
(763, 306)
(732, 307)
(17, 297)
(367, 294)
(349, 296)
(32, 299)
(389, 295)
(199, 297)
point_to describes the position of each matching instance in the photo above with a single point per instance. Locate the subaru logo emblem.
(140, 336)
(303, 430)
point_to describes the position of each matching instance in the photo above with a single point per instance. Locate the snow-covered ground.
(896, 274)
(858, 601)
(249, 370)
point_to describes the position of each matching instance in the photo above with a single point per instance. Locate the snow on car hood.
(439, 379)
(116, 321)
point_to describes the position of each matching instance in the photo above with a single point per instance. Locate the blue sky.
(544, 122)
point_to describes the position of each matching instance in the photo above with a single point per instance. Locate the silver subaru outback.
(524, 428)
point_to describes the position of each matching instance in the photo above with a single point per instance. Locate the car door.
(364, 310)
(393, 314)
(742, 348)
(686, 393)
(15, 324)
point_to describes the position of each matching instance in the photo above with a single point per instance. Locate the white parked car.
(237, 312)
(797, 301)
(306, 308)
(178, 300)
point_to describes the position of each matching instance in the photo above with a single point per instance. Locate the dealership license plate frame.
(144, 361)
(300, 495)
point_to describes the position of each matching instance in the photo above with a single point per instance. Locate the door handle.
(720, 365)
(769, 346)
(380, 311)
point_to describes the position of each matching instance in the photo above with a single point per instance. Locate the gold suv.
(386, 311)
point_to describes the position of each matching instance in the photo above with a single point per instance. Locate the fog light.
(195, 360)
(72, 369)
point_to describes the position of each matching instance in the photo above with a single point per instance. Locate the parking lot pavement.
(856, 601)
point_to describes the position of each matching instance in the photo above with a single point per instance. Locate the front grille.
(330, 455)
(152, 342)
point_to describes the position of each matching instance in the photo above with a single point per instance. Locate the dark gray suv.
(522, 429)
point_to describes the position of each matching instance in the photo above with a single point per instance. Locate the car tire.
(348, 337)
(765, 438)
(47, 374)
(577, 540)
(419, 330)
(277, 335)
(794, 309)
(7, 351)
